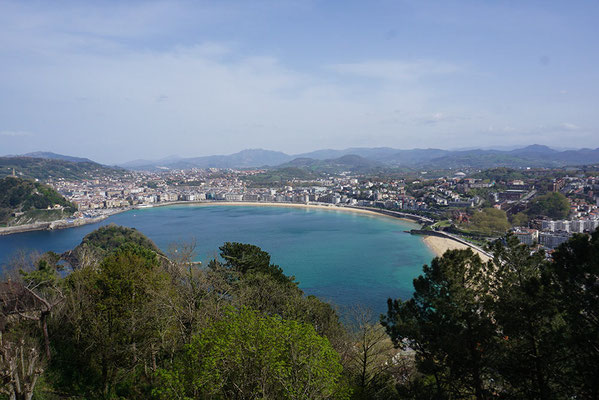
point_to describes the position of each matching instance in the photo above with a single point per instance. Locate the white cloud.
(440, 117)
(395, 70)
(161, 77)
(15, 133)
(568, 126)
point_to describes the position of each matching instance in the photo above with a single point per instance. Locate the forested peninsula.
(25, 201)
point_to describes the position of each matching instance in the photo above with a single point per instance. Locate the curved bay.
(346, 258)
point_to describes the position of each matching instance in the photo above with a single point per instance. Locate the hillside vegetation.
(280, 177)
(45, 168)
(23, 201)
(102, 241)
(130, 323)
(553, 205)
(364, 159)
(489, 221)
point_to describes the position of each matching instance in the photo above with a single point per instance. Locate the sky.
(122, 80)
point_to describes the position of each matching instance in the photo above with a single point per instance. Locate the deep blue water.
(346, 258)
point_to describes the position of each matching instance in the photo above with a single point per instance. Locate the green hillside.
(280, 176)
(44, 168)
(23, 201)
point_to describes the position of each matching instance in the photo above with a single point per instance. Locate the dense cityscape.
(449, 200)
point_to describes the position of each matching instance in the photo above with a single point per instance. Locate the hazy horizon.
(116, 81)
(177, 156)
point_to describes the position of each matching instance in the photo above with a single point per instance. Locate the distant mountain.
(144, 163)
(349, 162)
(324, 154)
(382, 157)
(534, 150)
(579, 157)
(53, 156)
(251, 158)
(413, 157)
(373, 153)
(45, 168)
(530, 156)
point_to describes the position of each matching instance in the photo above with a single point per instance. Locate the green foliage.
(112, 237)
(20, 195)
(99, 243)
(271, 296)
(280, 177)
(43, 168)
(112, 323)
(553, 205)
(372, 364)
(249, 355)
(519, 219)
(134, 325)
(453, 337)
(46, 275)
(132, 312)
(575, 273)
(489, 221)
(526, 312)
(248, 259)
(264, 287)
(519, 327)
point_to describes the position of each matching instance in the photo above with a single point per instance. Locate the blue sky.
(116, 81)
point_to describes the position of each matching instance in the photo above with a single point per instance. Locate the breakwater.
(52, 225)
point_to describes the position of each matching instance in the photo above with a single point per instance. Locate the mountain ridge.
(365, 158)
(45, 168)
(534, 155)
(50, 156)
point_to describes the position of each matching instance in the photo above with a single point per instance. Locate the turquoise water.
(346, 258)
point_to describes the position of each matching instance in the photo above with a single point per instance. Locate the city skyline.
(116, 82)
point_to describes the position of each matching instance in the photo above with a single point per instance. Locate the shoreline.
(439, 245)
(65, 224)
(319, 206)
(436, 244)
(56, 225)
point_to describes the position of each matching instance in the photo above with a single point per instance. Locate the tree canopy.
(249, 355)
(553, 205)
(132, 323)
(518, 327)
(490, 221)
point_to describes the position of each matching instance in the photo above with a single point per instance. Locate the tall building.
(527, 236)
(551, 240)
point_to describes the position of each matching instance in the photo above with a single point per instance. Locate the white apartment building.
(527, 236)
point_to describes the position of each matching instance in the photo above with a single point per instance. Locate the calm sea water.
(342, 257)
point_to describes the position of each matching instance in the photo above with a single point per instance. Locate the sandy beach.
(439, 245)
(292, 205)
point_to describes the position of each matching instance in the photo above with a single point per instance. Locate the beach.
(440, 245)
(60, 224)
(330, 207)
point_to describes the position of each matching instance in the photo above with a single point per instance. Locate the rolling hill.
(382, 157)
(53, 156)
(351, 162)
(250, 158)
(47, 168)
